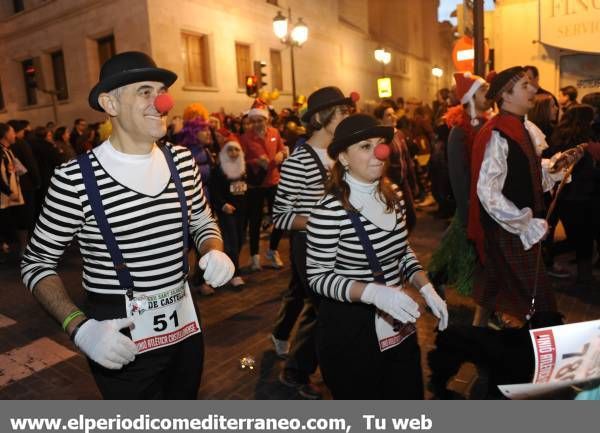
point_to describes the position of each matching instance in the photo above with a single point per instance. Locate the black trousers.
(256, 200)
(580, 219)
(299, 300)
(169, 373)
(232, 231)
(351, 363)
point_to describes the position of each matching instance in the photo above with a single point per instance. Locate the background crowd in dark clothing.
(38, 150)
(418, 163)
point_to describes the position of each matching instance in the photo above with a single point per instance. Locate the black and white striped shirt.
(336, 258)
(300, 188)
(148, 229)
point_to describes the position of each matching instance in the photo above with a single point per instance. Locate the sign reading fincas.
(571, 24)
(384, 87)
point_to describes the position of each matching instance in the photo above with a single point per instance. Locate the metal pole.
(291, 44)
(478, 36)
(293, 73)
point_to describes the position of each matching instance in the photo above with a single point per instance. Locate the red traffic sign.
(463, 54)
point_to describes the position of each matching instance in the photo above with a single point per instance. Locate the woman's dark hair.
(540, 113)
(379, 111)
(592, 99)
(574, 127)
(40, 132)
(242, 129)
(569, 91)
(339, 188)
(59, 132)
(4, 129)
(18, 125)
(325, 116)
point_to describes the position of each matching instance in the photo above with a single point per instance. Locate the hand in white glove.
(218, 268)
(103, 343)
(392, 301)
(437, 305)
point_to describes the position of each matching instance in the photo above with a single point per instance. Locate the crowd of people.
(151, 205)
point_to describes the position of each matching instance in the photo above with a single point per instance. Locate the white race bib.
(239, 187)
(390, 332)
(162, 317)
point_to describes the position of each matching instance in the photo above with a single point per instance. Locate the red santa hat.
(466, 85)
(259, 108)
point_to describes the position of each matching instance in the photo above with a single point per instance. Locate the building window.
(18, 6)
(106, 48)
(401, 65)
(29, 79)
(2, 106)
(60, 77)
(276, 72)
(244, 65)
(196, 59)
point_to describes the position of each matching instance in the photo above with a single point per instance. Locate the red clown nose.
(382, 151)
(163, 103)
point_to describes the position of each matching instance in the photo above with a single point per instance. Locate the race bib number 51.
(162, 317)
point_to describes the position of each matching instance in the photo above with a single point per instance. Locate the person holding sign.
(133, 206)
(358, 258)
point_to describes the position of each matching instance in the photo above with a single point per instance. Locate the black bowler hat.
(504, 81)
(127, 68)
(324, 98)
(355, 128)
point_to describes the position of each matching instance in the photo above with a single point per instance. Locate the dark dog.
(505, 356)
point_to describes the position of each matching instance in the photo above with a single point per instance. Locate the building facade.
(211, 45)
(559, 37)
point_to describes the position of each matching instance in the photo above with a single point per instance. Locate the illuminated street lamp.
(296, 38)
(437, 72)
(384, 57)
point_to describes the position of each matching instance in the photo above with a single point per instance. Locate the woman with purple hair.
(197, 137)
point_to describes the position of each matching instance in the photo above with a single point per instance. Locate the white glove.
(437, 305)
(103, 343)
(392, 301)
(218, 268)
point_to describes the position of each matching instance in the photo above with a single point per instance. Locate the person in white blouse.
(507, 214)
(358, 259)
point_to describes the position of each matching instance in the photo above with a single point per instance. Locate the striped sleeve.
(291, 184)
(60, 220)
(409, 264)
(323, 233)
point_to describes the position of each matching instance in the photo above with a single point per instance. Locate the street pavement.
(38, 361)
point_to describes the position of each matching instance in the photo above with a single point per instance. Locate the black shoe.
(310, 392)
(295, 379)
(292, 378)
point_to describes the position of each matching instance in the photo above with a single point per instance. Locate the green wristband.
(70, 318)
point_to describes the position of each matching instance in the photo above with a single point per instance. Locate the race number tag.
(391, 333)
(162, 317)
(238, 187)
(565, 355)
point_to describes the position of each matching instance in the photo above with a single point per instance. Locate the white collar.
(359, 186)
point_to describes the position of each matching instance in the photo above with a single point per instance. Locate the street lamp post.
(295, 38)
